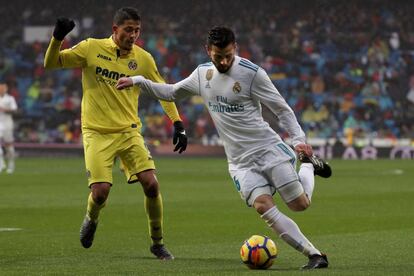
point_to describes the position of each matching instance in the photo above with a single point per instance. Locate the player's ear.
(114, 28)
(208, 49)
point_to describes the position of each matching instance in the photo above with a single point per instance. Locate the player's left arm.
(179, 138)
(264, 91)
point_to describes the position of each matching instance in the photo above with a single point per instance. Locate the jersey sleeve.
(171, 92)
(68, 58)
(189, 86)
(264, 91)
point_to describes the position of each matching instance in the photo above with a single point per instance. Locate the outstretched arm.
(162, 91)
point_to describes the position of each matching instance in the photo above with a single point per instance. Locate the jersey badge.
(237, 87)
(132, 64)
(209, 76)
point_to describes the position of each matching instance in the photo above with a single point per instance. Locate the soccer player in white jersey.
(260, 163)
(8, 106)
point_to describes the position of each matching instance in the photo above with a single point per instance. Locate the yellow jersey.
(106, 109)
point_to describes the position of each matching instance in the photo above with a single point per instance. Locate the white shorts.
(6, 135)
(271, 171)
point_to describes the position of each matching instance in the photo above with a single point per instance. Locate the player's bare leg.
(96, 201)
(154, 210)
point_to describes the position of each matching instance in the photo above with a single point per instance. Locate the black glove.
(62, 27)
(179, 139)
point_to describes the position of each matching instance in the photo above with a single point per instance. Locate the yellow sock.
(154, 209)
(93, 209)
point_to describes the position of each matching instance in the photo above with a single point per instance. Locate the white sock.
(289, 231)
(307, 178)
(11, 155)
(2, 164)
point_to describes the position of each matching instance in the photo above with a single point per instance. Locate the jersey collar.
(115, 47)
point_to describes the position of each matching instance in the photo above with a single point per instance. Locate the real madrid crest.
(132, 65)
(236, 87)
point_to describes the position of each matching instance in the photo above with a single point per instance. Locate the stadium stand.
(346, 68)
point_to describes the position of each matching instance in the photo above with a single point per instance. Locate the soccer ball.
(258, 252)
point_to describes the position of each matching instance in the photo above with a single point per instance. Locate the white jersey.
(233, 100)
(6, 119)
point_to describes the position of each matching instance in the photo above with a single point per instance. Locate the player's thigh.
(251, 183)
(282, 173)
(135, 156)
(100, 151)
(285, 179)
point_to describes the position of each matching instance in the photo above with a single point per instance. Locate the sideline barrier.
(327, 151)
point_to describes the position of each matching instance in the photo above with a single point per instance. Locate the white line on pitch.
(10, 229)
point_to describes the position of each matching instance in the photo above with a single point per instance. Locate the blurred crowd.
(345, 67)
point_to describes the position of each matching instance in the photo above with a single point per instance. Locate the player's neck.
(123, 52)
(119, 51)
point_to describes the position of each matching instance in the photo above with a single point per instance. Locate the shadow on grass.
(225, 264)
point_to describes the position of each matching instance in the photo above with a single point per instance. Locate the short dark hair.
(126, 13)
(220, 36)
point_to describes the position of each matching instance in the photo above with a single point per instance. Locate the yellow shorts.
(102, 149)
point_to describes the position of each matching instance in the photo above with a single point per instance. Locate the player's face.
(222, 58)
(126, 33)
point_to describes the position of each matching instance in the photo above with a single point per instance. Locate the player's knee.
(299, 207)
(300, 204)
(100, 192)
(151, 188)
(263, 203)
(149, 183)
(261, 208)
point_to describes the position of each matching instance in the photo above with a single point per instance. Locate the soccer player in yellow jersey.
(110, 122)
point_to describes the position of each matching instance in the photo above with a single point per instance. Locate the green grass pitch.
(363, 218)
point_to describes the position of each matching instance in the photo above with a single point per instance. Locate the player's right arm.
(68, 58)
(264, 91)
(162, 91)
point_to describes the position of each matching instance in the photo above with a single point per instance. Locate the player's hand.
(179, 139)
(124, 82)
(62, 27)
(305, 148)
